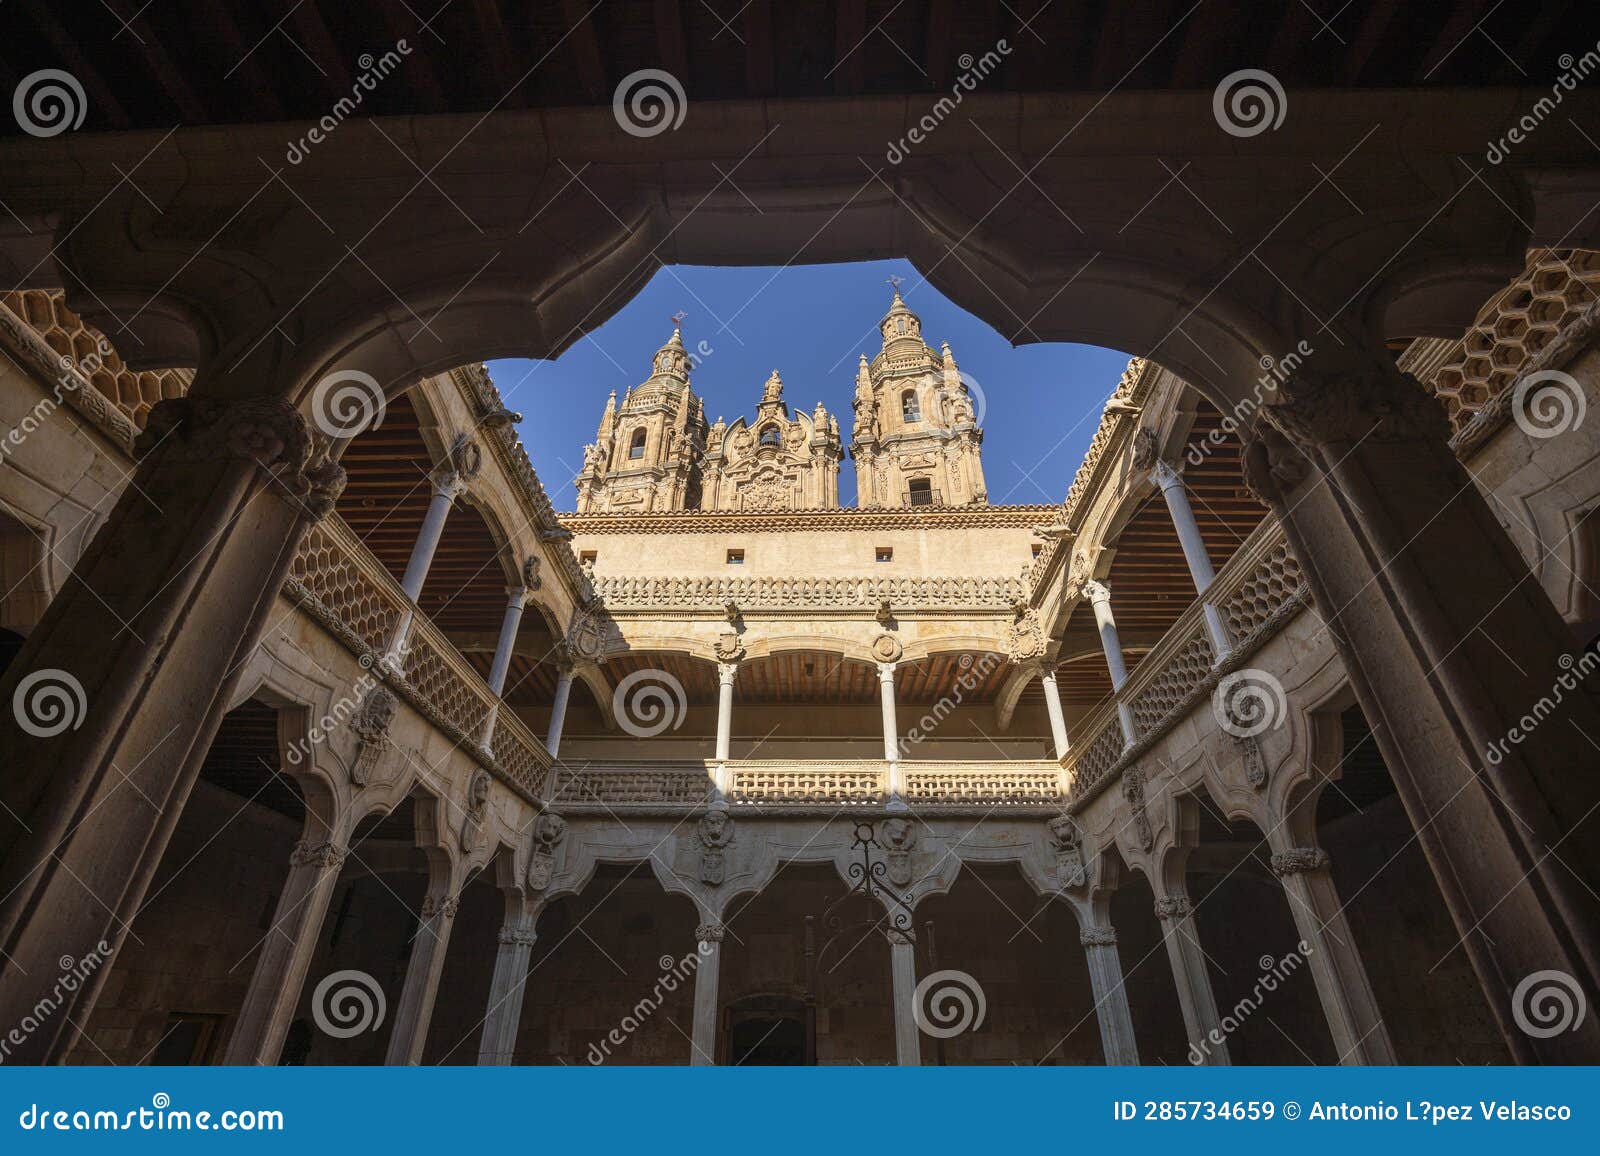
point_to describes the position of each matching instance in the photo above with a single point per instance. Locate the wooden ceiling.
(244, 760)
(190, 62)
(385, 500)
(1149, 579)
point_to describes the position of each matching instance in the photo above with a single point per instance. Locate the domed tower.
(916, 439)
(647, 453)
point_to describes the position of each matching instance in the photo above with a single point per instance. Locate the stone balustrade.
(343, 585)
(1256, 593)
(799, 784)
(711, 594)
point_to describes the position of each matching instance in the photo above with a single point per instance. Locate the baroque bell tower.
(647, 452)
(916, 440)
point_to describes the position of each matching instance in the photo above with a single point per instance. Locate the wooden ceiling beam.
(584, 45)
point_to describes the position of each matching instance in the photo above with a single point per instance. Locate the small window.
(884, 554)
(636, 446)
(921, 491)
(909, 409)
(189, 1039)
(587, 557)
(769, 436)
(736, 557)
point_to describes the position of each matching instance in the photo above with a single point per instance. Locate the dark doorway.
(768, 1031)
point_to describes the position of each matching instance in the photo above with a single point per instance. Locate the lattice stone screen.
(332, 573)
(1262, 593)
(1100, 756)
(133, 392)
(1179, 675)
(1553, 291)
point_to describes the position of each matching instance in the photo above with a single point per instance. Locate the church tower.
(647, 452)
(916, 439)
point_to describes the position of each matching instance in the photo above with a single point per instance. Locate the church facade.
(915, 440)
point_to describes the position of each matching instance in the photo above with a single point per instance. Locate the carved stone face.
(550, 829)
(714, 827)
(1064, 832)
(899, 833)
(479, 793)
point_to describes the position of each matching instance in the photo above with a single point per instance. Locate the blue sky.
(810, 322)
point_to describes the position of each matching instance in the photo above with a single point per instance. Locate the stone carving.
(530, 573)
(548, 831)
(1025, 637)
(1316, 407)
(728, 647)
(716, 832)
(466, 458)
(518, 936)
(371, 724)
(1273, 466)
(1067, 841)
(900, 936)
(1255, 763)
(445, 908)
(887, 648)
(1145, 448)
(899, 839)
(588, 634)
(1133, 792)
(1298, 860)
(269, 432)
(730, 611)
(712, 595)
(1173, 907)
(474, 819)
(326, 856)
(885, 614)
(711, 931)
(1098, 936)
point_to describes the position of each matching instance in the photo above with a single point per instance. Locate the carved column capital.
(710, 931)
(444, 908)
(727, 672)
(1173, 907)
(901, 937)
(886, 673)
(1096, 591)
(1298, 860)
(1098, 936)
(514, 936)
(1273, 465)
(1326, 406)
(327, 856)
(266, 431)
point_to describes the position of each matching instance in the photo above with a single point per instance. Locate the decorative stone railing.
(1259, 589)
(786, 784)
(773, 593)
(341, 584)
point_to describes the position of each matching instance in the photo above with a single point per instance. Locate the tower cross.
(894, 279)
(677, 318)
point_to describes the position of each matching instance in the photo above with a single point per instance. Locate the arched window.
(636, 446)
(769, 437)
(910, 410)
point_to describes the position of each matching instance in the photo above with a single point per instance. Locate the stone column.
(447, 487)
(726, 673)
(1194, 551)
(558, 709)
(1199, 1003)
(285, 954)
(708, 938)
(506, 988)
(142, 646)
(1099, 596)
(1110, 996)
(1354, 1019)
(891, 735)
(415, 1010)
(1052, 706)
(903, 969)
(516, 601)
(1449, 643)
